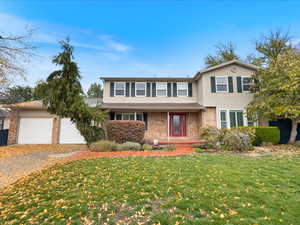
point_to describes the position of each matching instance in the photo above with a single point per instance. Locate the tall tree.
(224, 53)
(277, 91)
(15, 52)
(63, 95)
(17, 94)
(95, 91)
(271, 45)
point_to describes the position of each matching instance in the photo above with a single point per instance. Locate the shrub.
(261, 134)
(199, 150)
(200, 145)
(103, 146)
(226, 139)
(122, 131)
(129, 146)
(147, 147)
(164, 147)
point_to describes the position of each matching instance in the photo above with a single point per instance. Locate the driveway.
(22, 161)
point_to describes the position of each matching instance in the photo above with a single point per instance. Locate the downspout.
(168, 118)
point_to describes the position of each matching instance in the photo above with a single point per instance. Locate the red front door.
(177, 125)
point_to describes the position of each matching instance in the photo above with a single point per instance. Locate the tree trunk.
(293, 132)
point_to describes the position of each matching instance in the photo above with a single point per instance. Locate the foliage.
(226, 139)
(297, 144)
(122, 131)
(95, 91)
(15, 52)
(199, 145)
(250, 131)
(103, 146)
(267, 134)
(166, 147)
(17, 94)
(277, 91)
(196, 189)
(62, 94)
(127, 146)
(224, 53)
(147, 147)
(199, 150)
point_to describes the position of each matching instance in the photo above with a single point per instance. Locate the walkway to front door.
(178, 124)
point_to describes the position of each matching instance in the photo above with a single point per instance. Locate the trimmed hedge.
(262, 134)
(122, 131)
(103, 146)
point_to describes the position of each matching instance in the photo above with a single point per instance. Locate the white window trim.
(161, 89)
(245, 119)
(124, 89)
(187, 89)
(242, 78)
(226, 85)
(145, 84)
(122, 115)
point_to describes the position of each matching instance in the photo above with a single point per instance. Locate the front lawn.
(195, 189)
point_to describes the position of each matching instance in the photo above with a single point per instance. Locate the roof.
(38, 104)
(153, 106)
(147, 78)
(235, 61)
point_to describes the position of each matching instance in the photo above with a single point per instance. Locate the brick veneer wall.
(55, 130)
(209, 117)
(13, 127)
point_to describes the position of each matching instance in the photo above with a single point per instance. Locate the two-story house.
(172, 108)
(179, 107)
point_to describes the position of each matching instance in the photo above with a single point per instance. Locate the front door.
(177, 125)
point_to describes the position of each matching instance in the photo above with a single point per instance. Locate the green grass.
(199, 189)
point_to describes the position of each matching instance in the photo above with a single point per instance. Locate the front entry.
(177, 125)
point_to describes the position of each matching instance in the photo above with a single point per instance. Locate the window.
(128, 116)
(246, 83)
(140, 89)
(236, 118)
(161, 89)
(223, 116)
(1, 124)
(182, 89)
(132, 116)
(222, 84)
(120, 89)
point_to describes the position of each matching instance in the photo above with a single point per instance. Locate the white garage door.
(69, 134)
(35, 131)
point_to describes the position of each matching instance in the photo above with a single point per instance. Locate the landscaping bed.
(195, 189)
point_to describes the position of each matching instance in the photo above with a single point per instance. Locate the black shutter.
(213, 84)
(112, 89)
(112, 115)
(132, 89)
(127, 89)
(145, 117)
(174, 89)
(190, 89)
(230, 84)
(153, 89)
(169, 86)
(148, 89)
(239, 84)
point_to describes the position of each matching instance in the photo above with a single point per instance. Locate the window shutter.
(153, 89)
(145, 117)
(112, 89)
(240, 118)
(190, 89)
(213, 84)
(230, 84)
(169, 86)
(127, 89)
(112, 115)
(232, 119)
(132, 89)
(174, 89)
(148, 89)
(239, 84)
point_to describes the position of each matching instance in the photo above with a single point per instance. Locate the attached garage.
(35, 131)
(69, 134)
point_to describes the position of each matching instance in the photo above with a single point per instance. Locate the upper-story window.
(246, 83)
(222, 84)
(140, 89)
(120, 89)
(161, 89)
(182, 89)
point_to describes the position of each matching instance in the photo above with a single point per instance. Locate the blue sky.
(143, 38)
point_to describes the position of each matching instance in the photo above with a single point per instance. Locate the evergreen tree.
(95, 91)
(63, 95)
